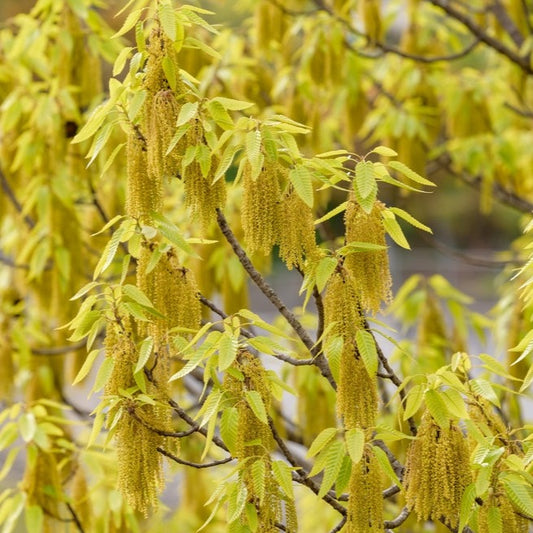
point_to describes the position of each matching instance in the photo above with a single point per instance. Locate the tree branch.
(300, 475)
(502, 195)
(13, 199)
(399, 520)
(203, 431)
(171, 456)
(319, 360)
(498, 46)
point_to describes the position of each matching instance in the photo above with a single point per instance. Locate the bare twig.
(162, 432)
(75, 517)
(522, 61)
(203, 431)
(300, 475)
(502, 195)
(13, 199)
(339, 526)
(320, 361)
(399, 520)
(166, 453)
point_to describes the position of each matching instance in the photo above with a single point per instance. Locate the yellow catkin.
(261, 214)
(80, 498)
(365, 504)
(120, 346)
(431, 339)
(369, 269)
(202, 196)
(266, 498)
(143, 194)
(357, 399)
(7, 370)
(482, 413)
(42, 485)
(297, 237)
(140, 473)
(437, 471)
(512, 521)
(163, 116)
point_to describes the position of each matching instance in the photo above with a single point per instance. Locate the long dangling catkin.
(266, 497)
(42, 485)
(143, 194)
(162, 119)
(513, 522)
(261, 214)
(370, 269)
(357, 399)
(297, 238)
(140, 472)
(80, 495)
(437, 471)
(365, 503)
(202, 196)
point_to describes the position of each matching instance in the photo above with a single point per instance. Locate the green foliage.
(152, 172)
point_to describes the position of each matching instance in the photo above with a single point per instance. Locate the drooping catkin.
(365, 503)
(42, 485)
(202, 196)
(162, 119)
(120, 346)
(140, 472)
(297, 237)
(437, 471)
(370, 269)
(261, 213)
(143, 194)
(263, 490)
(512, 521)
(80, 498)
(357, 398)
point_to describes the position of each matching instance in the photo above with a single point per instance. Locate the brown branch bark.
(176, 459)
(478, 32)
(319, 360)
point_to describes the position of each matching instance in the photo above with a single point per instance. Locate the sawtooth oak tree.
(152, 175)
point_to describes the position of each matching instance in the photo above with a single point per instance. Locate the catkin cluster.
(357, 400)
(431, 335)
(263, 491)
(140, 472)
(261, 212)
(370, 269)
(297, 235)
(42, 485)
(512, 521)
(143, 195)
(365, 506)
(161, 129)
(202, 196)
(437, 471)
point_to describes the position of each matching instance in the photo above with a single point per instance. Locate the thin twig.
(300, 475)
(399, 520)
(6, 260)
(502, 195)
(340, 525)
(166, 453)
(522, 61)
(391, 375)
(466, 258)
(162, 432)
(13, 199)
(203, 431)
(75, 518)
(59, 350)
(320, 361)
